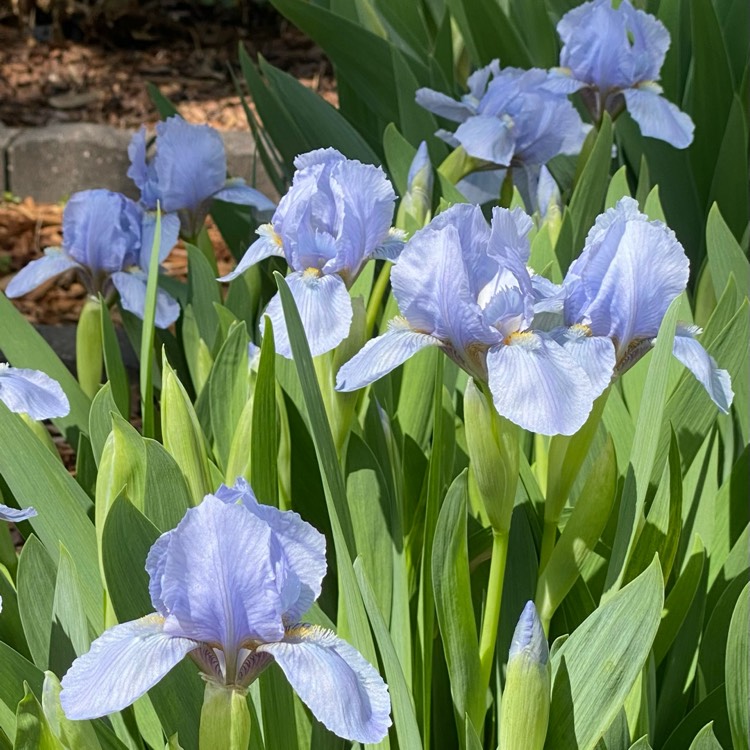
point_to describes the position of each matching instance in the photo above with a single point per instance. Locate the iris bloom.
(229, 586)
(188, 171)
(512, 118)
(107, 239)
(621, 285)
(463, 286)
(614, 56)
(336, 216)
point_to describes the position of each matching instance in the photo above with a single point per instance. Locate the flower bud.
(89, 347)
(525, 703)
(493, 451)
(225, 718)
(415, 209)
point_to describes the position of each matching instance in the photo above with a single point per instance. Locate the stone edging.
(49, 163)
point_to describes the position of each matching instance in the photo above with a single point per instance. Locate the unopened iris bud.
(89, 348)
(493, 451)
(225, 718)
(415, 209)
(525, 708)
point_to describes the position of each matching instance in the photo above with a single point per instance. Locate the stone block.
(243, 161)
(52, 162)
(6, 138)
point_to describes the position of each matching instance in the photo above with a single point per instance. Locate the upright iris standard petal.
(169, 233)
(51, 264)
(615, 55)
(690, 352)
(123, 663)
(15, 515)
(336, 216)
(343, 691)
(324, 307)
(32, 392)
(218, 582)
(303, 545)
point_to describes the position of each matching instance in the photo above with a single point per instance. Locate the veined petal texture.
(219, 583)
(340, 687)
(659, 118)
(325, 309)
(304, 546)
(32, 392)
(123, 663)
(381, 355)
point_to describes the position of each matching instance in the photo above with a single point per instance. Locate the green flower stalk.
(524, 714)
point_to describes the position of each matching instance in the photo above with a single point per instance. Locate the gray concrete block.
(243, 161)
(6, 138)
(50, 163)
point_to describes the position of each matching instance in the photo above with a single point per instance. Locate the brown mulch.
(43, 83)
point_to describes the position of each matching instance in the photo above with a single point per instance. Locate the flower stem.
(549, 537)
(491, 617)
(376, 298)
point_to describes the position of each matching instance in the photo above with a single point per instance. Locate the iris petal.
(32, 392)
(237, 191)
(53, 263)
(340, 687)
(324, 306)
(594, 354)
(170, 232)
(132, 288)
(123, 663)
(537, 384)
(381, 355)
(15, 515)
(692, 354)
(659, 118)
(303, 545)
(489, 138)
(265, 246)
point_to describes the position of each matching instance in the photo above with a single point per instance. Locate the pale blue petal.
(190, 164)
(391, 248)
(267, 244)
(594, 354)
(342, 690)
(489, 138)
(365, 200)
(155, 562)
(140, 171)
(650, 42)
(237, 191)
(131, 286)
(561, 82)
(325, 156)
(325, 309)
(381, 355)
(32, 392)
(717, 382)
(538, 385)
(304, 546)
(15, 515)
(218, 577)
(170, 232)
(51, 264)
(123, 663)
(443, 106)
(659, 118)
(482, 187)
(102, 230)
(528, 637)
(548, 296)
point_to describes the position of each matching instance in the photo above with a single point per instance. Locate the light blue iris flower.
(614, 55)
(107, 239)
(229, 586)
(511, 118)
(463, 285)
(620, 287)
(336, 216)
(187, 172)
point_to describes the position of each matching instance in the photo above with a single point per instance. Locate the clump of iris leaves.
(499, 494)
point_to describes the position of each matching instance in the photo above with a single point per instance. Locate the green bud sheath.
(493, 450)
(89, 347)
(225, 718)
(524, 713)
